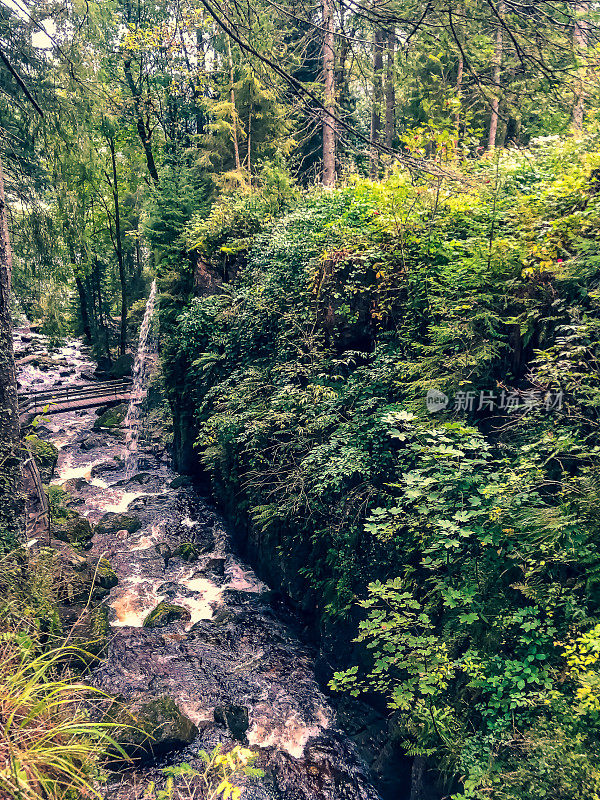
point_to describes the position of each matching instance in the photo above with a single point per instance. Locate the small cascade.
(138, 393)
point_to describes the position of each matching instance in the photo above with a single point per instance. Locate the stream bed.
(233, 663)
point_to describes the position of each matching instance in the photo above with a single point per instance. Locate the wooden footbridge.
(72, 398)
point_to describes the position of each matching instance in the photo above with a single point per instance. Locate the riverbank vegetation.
(375, 231)
(468, 535)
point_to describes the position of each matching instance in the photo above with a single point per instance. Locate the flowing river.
(236, 655)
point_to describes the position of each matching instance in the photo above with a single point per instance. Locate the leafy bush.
(475, 529)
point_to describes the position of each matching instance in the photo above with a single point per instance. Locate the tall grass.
(50, 749)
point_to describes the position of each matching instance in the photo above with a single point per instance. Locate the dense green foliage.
(469, 536)
(307, 335)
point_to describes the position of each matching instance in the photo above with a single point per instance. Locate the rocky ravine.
(214, 662)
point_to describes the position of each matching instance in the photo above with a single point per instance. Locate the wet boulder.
(89, 443)
(179, 481)
(215, 566)
(113, 523)
(98, 470)
(235, 719)
(44, 454)
(111, 418)
(164, 614)
(142, 478)
(170, 589)
(153, 728)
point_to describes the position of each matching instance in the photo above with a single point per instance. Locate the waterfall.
(131, 423)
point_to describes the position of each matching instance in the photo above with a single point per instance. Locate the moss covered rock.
(164, 614)
(105, 575)
(72, 528)
(111, 418)
(44, 454)
(153, 728)
(111, 523)
(188, 551)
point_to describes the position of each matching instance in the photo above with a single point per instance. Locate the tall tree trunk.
(103, 328)
(119, 249)
(390, 89)
(236, 150)
(579, 45)
(83, 307)
(376, 104)
(11, 502)
(497, 75)
(249, 141)
(460, 68)
(416, 778)
(142, 130)
(328, 54)
(201, 59)
(91, 295)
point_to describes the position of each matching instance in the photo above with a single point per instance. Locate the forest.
(300, 400)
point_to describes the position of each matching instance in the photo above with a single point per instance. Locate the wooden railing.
(46, 399)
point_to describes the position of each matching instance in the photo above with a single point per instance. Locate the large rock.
(164, 614)
(74, 485)
(179, 481)
(72, 579)
(86, 630)
(98, 470)
(44, 454)
(74, 529)
(112, 523)
(153, 728)
(105, 576)
(111, 418)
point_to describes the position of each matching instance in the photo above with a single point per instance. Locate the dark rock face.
(112, 523)
(122, 366)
